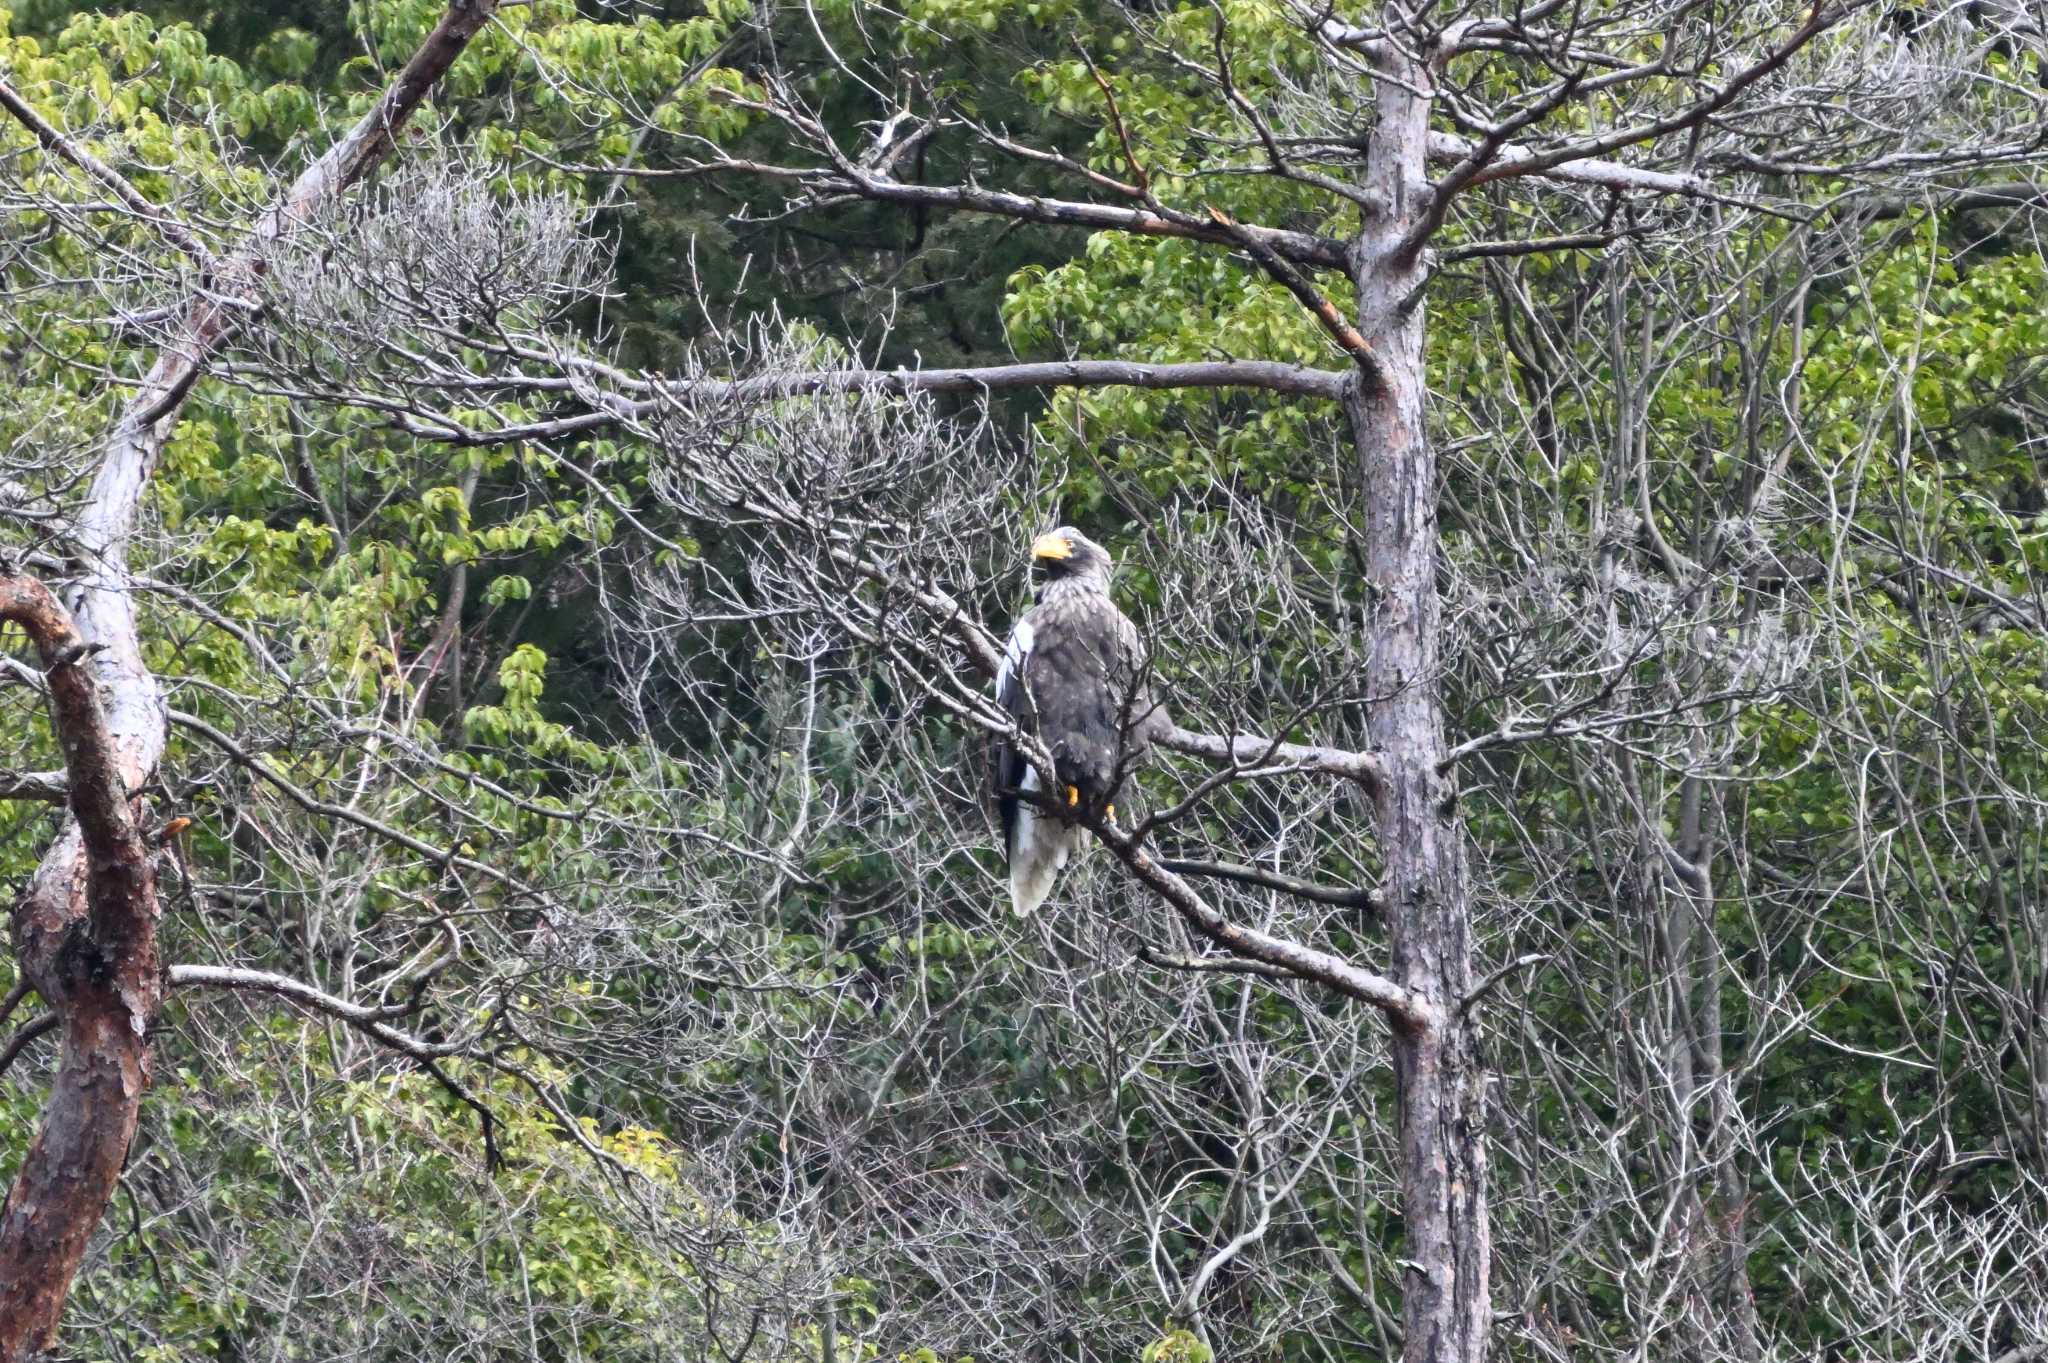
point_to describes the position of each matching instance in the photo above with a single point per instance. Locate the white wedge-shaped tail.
(1039, 848)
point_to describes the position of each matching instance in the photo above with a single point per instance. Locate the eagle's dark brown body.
(1073, 674)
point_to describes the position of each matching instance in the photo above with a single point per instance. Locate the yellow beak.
(1052, 546)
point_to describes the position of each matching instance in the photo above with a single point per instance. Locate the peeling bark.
(85, 938)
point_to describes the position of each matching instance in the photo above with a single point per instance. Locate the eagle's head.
(1067, 553)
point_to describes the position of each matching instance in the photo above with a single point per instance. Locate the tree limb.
(1405, 1007)
(374, 1022)
(1250, 750)
(1215, 965)
(1269, 375)
(27, 1032)
(1306, 293)
(1960, 199)
(1819, 19)
(313, 804)
(1512, 160)
(1302, 248)
(1343, 896)
(169, 228)
(49, 787)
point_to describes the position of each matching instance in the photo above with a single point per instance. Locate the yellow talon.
(1109, 811)
(1073, 796)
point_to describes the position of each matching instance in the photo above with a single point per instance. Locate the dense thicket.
(609, 735)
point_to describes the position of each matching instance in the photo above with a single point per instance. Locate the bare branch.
(1215, 965)
(46, 786)
(1269, 375)
(1311, 298)
(1248, 751)
(1820, 17)
(37, 1026)
(373, 1022)
(1406, 1008)
(169, 228)
(1339, 895)
(313, 804)
(1511, 160)
(1301, 248)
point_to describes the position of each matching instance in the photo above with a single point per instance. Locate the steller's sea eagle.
(1073, 673)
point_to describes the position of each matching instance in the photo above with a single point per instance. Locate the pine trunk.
(1447, 1244)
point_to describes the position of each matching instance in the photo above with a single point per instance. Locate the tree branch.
(1252, 751)
(1960, 199)
(1574, 241)
(1306, 293)
(1486, 986)
(1302, 248)
(1511, 160)
(1343, 896)
(49, 787)
(313, 804)
(1272, 376)
(169, 228)
(1819, 19)
(369, 1021)
(27, 1032)
(372, 1021)
(1215, 965)
(1406, 1008)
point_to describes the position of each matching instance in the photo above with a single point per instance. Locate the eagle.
(1073, 673)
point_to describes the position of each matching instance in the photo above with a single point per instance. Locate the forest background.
(579, 924)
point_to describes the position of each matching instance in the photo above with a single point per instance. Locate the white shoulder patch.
(1015, 652)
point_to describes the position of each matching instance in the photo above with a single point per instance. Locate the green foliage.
(552, 1240)
(1177, 1346)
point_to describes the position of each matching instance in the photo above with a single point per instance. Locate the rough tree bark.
(1427, 897)
(85, 938)
(85, 930)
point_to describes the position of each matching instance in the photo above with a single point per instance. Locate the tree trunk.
(1445, 1258)
(69, 1173)
(1427, 897)
(85, 937)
